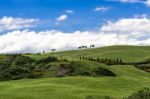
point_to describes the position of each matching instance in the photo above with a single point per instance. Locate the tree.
(106, 60)
(83, 58)
(43, 51)
(53, 50)
(86, 58)
(117, 60)
(98, 59)
(80, 48)
(91, 59)
(61, 57)
(92, 46)
(120, 61)
(102, 60)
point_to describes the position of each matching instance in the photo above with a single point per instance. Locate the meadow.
(128, 78)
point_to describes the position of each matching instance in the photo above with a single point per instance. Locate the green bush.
(103, 72)
(141, 94)
(47, 60)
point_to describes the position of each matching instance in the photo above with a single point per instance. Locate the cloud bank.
(131, 31)
(10, 23)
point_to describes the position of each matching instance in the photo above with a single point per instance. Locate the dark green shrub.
(47, 60)
(141, 94)
(103, 72)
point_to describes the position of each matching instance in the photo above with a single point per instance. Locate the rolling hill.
(128, 79)
(127, 53)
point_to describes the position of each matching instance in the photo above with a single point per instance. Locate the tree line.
(107, 61)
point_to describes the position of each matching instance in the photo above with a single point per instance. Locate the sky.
(37, 25)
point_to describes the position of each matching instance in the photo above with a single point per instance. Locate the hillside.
(126, 53)
(62, 75)
(129, 79)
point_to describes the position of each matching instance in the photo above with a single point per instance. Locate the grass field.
(127, 53)
(128, 80)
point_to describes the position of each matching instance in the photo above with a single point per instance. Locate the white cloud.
(146, 2)
(133, 1)
(128, 25)
(69, 11)
(10, 23)
(126, 1)
(62, 18)
(30, 41)
(132, 31)
(141, 16)
(101, 9)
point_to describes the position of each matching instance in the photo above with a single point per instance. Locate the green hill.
(127, 53)
(88, 80)
(128, 80)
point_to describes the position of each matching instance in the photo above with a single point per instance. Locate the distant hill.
(126, 53)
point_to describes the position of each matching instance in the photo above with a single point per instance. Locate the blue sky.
(37, 25)
(83, 18)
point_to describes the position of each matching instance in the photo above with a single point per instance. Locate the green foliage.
(17, 66)
(105, 61)
(103, 71)
(141, 94)
(93, 97)
(87, 68)
(47, 60)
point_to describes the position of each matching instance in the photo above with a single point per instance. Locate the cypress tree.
(117, 61)
(102, 60)
(83, 58)
(61, 57)
(106, 60)
(120, 60)
(98, 59)
(80, 58)
(86, 58)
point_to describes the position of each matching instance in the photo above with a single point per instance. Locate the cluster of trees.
(52, 50)
(80, 47)
(92, 46)
(103, 60)
(141, 94)
(144, 65)
(85, 47)
(17, 66)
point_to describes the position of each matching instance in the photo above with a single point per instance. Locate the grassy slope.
(127, 53)
(128, 80)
